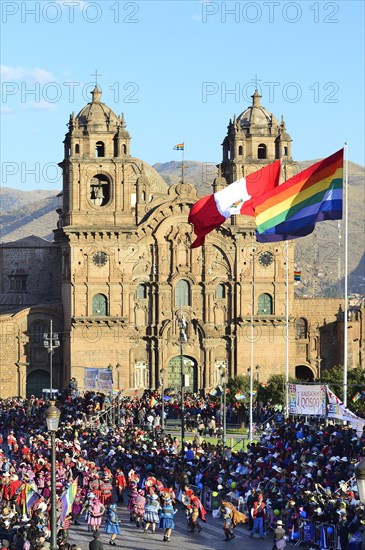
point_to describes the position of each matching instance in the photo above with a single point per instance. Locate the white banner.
(307, 399)
(105, 379)
(336, 409)
(90, 378)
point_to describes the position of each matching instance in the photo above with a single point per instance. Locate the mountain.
(26, 213)
(319, 256)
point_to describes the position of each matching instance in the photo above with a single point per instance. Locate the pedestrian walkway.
(210, 538)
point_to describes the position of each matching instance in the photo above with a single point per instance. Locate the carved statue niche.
(140, 315)
(180, 237)
(219, 315)
(166, 303)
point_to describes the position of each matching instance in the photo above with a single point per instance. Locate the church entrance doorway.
(190, 372)
(36, 381)
(302, 372)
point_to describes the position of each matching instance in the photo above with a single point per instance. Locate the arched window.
(100, 305)
(182, 293)
(37, 331)
(141, 291)
(301, 328)
(261, 151)
(99, 149)
(18, 280)
(265, 305)
(285, 151)
(77, 148)
(124, 149)
(220, 291)
(240, 150)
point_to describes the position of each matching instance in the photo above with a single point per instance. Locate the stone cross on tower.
(256, 81)
(96, 76)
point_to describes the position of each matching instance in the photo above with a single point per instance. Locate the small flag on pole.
(153, 402)
(213, 392)
(179, 147)
(67, 499)
(297, 275)
(31, 497)
(239, 396)
(356, 397)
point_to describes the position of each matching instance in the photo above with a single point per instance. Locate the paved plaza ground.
(211, 537)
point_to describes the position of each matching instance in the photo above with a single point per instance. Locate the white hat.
(279, 522)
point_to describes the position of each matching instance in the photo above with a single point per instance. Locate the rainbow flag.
(356, 397)
(153, 402)
(297, 275)
(213, 392)
(239, 396)
(31, 497)
(293, 209)
(67, 499)
(179, 147)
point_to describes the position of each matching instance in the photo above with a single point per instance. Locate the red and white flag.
(238, 198)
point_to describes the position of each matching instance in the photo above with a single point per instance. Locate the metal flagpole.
(182, 339)
(252, 340)
(182, 164)
(345, 313)
(284, 166)
(287, 334)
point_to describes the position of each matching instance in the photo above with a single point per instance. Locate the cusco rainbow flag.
(292, 209)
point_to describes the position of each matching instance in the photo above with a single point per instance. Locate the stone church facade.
(120, 272)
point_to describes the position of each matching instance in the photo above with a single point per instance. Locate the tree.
(274, 391)
(240, 384)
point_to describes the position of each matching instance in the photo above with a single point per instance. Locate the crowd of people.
(294, 471)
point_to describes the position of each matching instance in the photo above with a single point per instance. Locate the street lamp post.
(51, 342)
(118, 367)
(162, 380)
(360, 479)
(111, 400)
(182, 339)
(223, 380)
(52, 419)
(257, 393)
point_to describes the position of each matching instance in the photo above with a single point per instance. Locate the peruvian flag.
(238, 198)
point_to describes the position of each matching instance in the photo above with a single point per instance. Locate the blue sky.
(179, 71)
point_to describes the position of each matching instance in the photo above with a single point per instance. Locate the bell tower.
(98, 172)
(254, 139)
(106, 192)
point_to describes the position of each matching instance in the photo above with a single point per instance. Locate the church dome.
(97, 116)
(256, 115)
(158, 184)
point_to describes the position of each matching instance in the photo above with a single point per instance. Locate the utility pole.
(51, 342)
(162, 382)
(223, 371)
(182, 340)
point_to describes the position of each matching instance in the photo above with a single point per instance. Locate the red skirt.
(106, 499)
